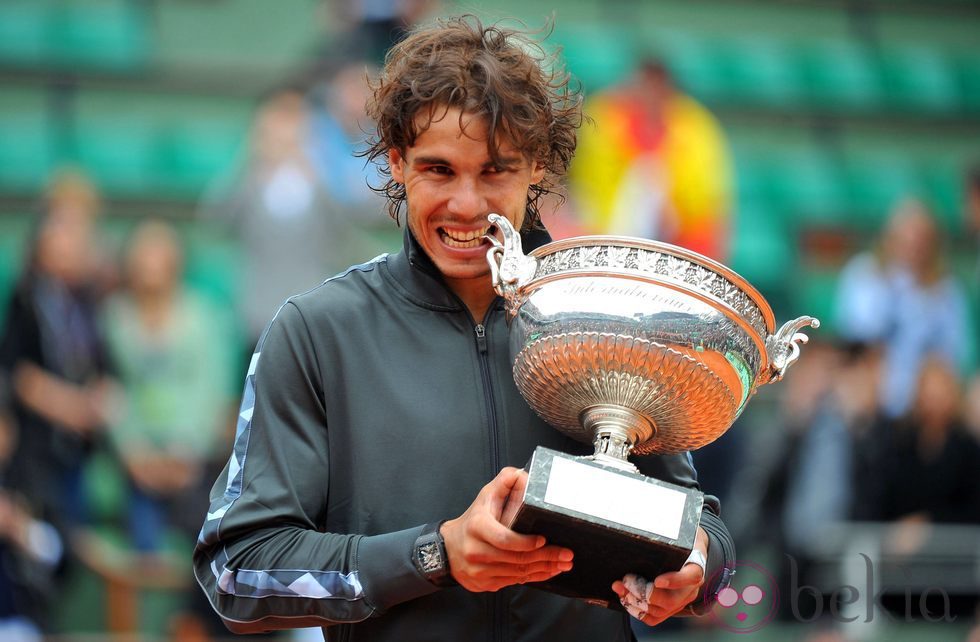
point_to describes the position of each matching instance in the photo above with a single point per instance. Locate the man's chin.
(465, 272)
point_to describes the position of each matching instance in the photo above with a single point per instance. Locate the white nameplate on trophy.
(616, 498)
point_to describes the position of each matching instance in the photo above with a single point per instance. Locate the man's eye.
(440, 169)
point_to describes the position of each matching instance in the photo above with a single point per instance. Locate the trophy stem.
(616, 430)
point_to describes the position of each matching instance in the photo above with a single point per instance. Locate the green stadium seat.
(696, 63)
(877, 181)
(807, 185)
(762, 71)
(213, 264)
(24, 27)
(198, 152)
(751, 178)
(596, 55)
(101, 34)
(942, 182)
(764, 249)
(919, 78)
(841, 75)
(814, 294)
(968, 73)
(27, 140)
(121, 154)
(213, 268)
(167, 146)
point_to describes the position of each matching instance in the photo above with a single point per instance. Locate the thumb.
(508, 482)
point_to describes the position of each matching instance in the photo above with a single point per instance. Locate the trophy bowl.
(636, 347)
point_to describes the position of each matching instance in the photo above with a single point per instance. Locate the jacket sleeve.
(265, 556)
(679, 469)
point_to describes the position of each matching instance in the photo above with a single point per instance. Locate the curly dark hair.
(496, 72)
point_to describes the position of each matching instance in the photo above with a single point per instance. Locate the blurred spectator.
(655, 165)
(971, 407)
(760, 494)
(797, 483)
(168, 359)
(53, 364)
(779, 465)
(30, 551)
(821, 474)
(375, 25)
(72, 193)
(929, 471)
(339, 123)
(973, 216)
(902, 296)
(277, 208)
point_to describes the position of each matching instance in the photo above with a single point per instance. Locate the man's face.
(451, 185)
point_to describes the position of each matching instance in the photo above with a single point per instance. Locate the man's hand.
(485, 555)
(654, 602)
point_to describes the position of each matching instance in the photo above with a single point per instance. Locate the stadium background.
(833, 109)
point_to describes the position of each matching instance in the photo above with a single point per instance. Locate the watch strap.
(430, 558)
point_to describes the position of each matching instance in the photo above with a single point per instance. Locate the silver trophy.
(638, 347)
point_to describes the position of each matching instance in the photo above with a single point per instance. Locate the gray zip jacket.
(375, 404)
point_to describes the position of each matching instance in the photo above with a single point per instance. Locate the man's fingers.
(540, 576)
(509, 481)
(544, 555)
(654, 602)
(653, 619)
(499, 536)
(619, 589)
(513, 502)
(485, 554)
(690, 575)
(492, 577)
(497, 582)
(523, 574)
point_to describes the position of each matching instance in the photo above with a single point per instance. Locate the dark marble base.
(652, 532)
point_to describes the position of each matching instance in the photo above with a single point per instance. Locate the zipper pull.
(481, 337)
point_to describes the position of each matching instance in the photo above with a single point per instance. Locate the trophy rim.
(667, 248)
(710, 299)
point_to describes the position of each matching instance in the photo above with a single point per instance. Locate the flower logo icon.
(749, 603)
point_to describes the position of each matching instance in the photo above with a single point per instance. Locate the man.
(380, 415)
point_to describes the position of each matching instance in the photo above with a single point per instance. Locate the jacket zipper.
(481, 345)
(497, 611)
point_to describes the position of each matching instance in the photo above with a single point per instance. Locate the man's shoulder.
(344, 290)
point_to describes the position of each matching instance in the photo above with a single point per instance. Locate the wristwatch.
(429, 556)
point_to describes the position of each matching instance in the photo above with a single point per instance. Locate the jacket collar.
(418, 278)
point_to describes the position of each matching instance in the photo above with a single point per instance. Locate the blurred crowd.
(100, 356)
(877, 427)
(875, 439)
(107, 352)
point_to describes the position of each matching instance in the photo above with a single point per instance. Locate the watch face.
(430, 557)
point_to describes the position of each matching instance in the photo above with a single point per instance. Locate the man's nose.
(467, 198)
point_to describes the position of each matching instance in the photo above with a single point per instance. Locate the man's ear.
(537, 173)
(396, 162)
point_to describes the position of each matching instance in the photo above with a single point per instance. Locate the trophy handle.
(510, 268)
(783, 347)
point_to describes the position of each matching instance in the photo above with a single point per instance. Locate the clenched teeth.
(463, 238)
